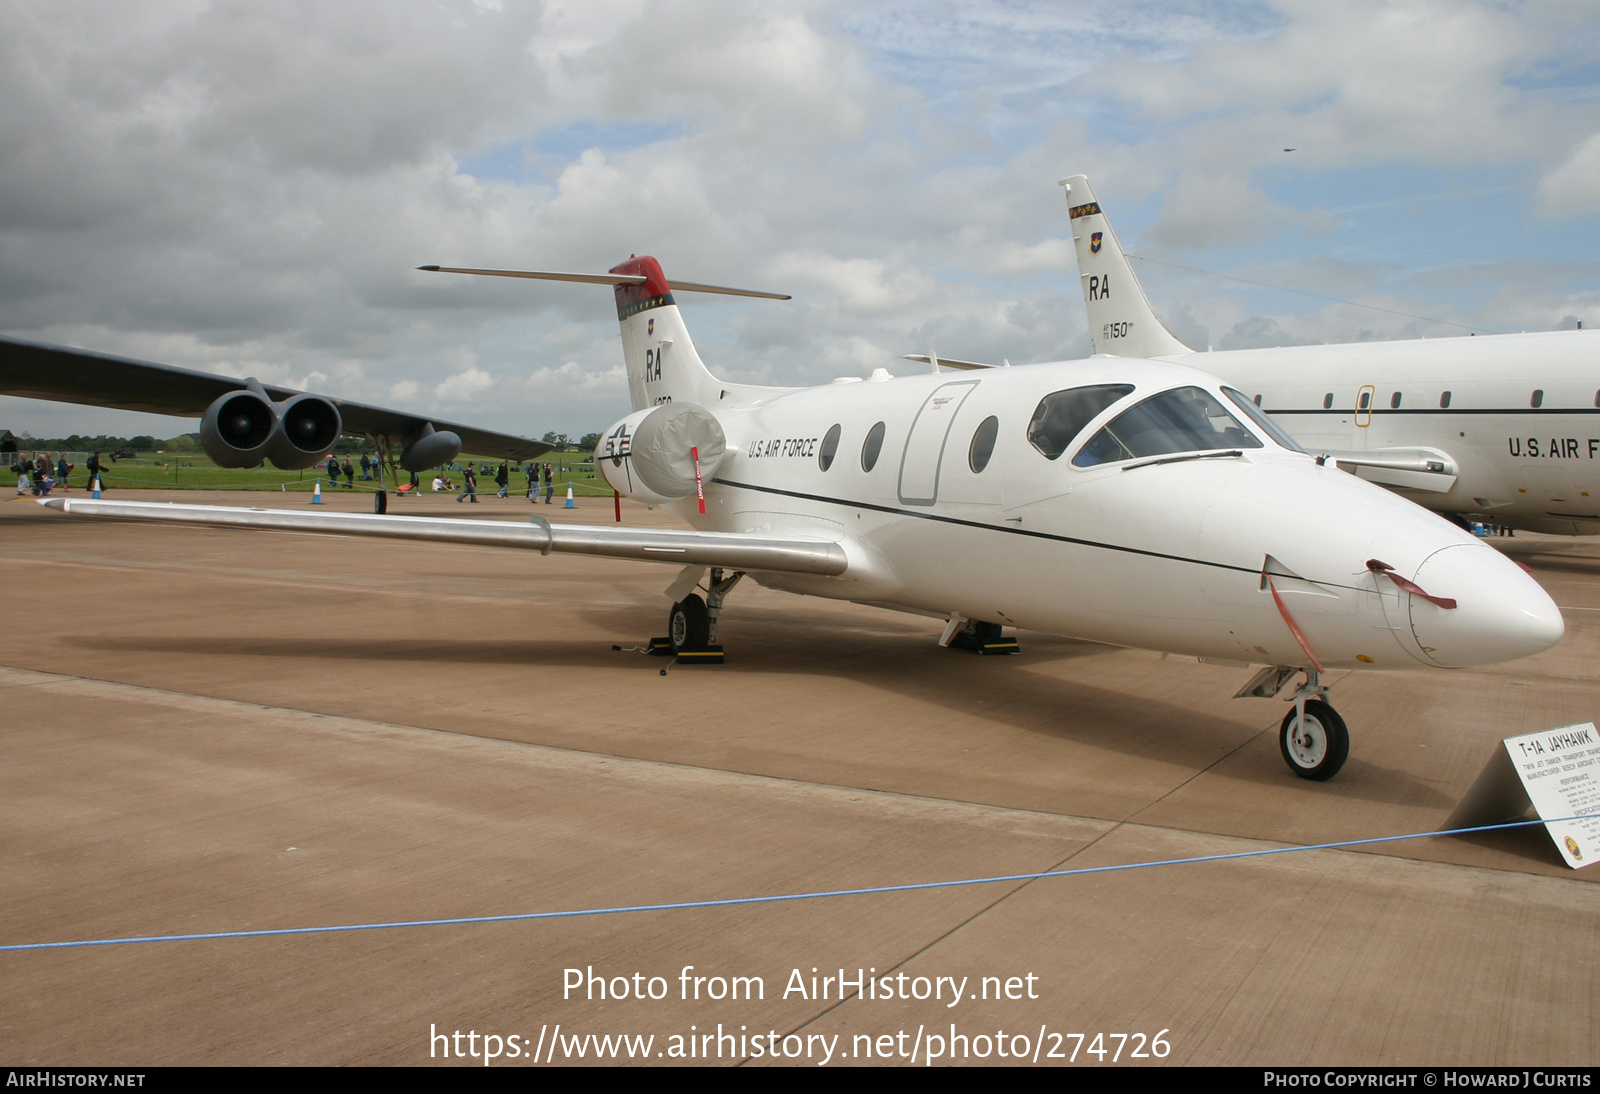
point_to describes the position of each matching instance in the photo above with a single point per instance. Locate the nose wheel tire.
(1317, 746)
(689, 625)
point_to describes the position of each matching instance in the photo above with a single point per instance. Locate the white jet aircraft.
(1503, 428)
(1139, 503)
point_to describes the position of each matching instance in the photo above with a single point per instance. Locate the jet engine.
(242, 428)
(650, 455)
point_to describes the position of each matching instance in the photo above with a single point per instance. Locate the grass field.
(185, 471)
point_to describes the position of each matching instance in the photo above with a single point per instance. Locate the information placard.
(1557, 771)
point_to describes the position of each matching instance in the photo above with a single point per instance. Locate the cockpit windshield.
(1186, 419)
(1061, 415)
(1263, 423)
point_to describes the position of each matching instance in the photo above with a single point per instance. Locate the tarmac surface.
(211, 730)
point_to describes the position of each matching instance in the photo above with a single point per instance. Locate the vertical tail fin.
(661, 361)
(1121, 320)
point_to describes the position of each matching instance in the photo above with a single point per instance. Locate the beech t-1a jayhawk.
(1139, 503)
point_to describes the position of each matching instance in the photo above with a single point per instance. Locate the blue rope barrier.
(776, 899)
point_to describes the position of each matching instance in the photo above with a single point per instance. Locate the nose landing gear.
(1313, 738)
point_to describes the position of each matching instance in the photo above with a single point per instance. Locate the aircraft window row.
(1186, 419)
(982, 446)
(830, 447)
(1364, 402)
(1061, 415)
(872, 446)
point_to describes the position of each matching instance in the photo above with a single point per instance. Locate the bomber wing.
(743, 551)
(37, 370)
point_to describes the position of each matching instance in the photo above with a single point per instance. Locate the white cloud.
(1573, 187)
(463, 386)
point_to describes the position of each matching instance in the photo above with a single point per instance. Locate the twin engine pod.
(650, 454)
(242, 428)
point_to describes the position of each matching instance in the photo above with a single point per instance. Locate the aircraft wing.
(37, 370)
(742, 551)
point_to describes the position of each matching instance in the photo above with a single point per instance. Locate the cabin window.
(1258, 400)
(1061, 416)
(1597, 398)
(1327, 401)
(1263, 423)
(1538, 398)
(1186, 419)
(871, 447)
(1394, 401)
(983, 444)
(830, 447)
(1365, 401)
(1444, 401)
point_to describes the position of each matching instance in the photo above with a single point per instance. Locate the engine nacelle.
(429, 447)
(649, 455)
(308, 427)
(242, 428)
(237, 429)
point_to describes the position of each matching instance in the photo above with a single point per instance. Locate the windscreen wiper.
(1230, 454)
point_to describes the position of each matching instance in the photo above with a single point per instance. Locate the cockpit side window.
(1186, 419)
(1263, 423)
(1061, 416)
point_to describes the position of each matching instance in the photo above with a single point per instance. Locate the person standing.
(349, 474)
(549, 483)
(94, 471)
(502, 475)
(333, 472)
(366, 468)
(469, 486)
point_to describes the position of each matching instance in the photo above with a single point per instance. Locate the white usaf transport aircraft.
(1139, 503)
(1504, 428)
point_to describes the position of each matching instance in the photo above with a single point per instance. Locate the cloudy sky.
(245, 186)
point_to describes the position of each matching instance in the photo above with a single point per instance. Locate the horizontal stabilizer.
(797, 555)
(607, 279)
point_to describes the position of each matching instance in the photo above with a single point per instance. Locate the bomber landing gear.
(1314, 739)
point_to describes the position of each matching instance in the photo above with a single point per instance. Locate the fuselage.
(948, 502)
(1516, 416)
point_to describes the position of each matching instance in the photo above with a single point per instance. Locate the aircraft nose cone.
(1501, 613)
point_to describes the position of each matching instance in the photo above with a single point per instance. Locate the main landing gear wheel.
(689, 625)
(1317, 746)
